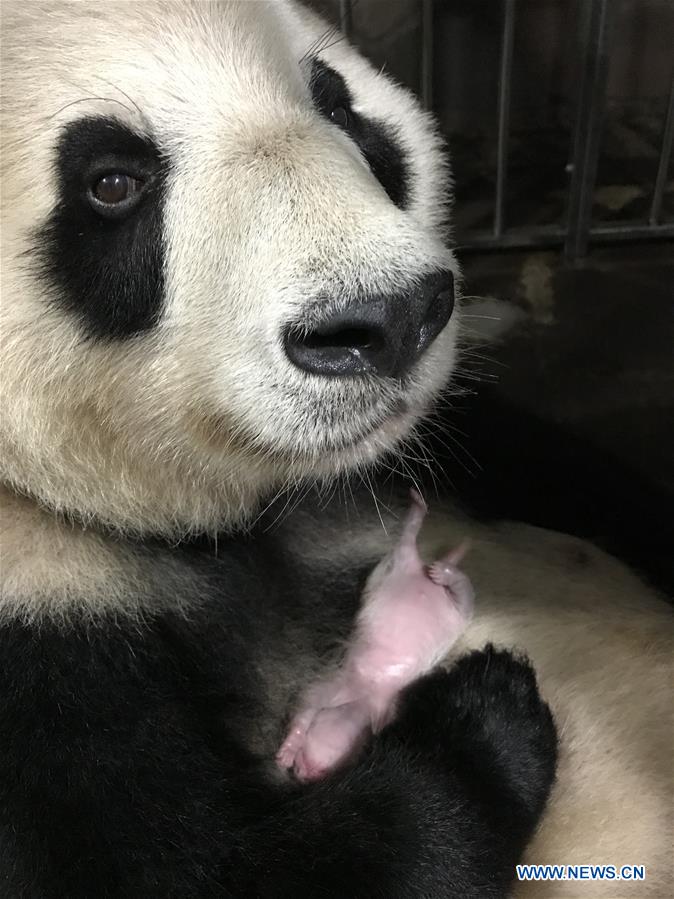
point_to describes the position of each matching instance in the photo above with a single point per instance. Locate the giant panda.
(227, 285)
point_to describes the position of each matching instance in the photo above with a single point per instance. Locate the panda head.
(224, 259)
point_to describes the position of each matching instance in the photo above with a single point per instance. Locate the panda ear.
(489, 320)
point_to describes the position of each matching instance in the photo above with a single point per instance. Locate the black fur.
(377, 141)
(137, 758)
(108, 272)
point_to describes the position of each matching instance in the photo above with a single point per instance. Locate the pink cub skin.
(411, 616)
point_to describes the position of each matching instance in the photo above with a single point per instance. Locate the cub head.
(224, 259)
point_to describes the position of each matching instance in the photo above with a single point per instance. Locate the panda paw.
(485, 718)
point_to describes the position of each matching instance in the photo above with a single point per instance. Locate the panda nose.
(381, 335)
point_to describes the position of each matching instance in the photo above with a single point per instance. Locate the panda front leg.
(121, 775)
(442, 804)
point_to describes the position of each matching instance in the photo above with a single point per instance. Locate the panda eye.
(340, 116)
(115, 193)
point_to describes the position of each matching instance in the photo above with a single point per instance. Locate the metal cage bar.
(589, 123)
(595, 37)
(504, 90)
(665, 156)
(427, 53)
(346, 17)
(548, 236)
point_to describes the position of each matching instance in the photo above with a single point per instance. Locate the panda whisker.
(301, 496)
(348, 483)
(363, 474)
(318, 44)
(450, 447)
(91, 99)
(340, 38)
(425, 460)
(408, 473)
(289, 490)
(124, 94)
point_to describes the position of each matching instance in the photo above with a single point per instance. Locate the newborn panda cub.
(410, 618)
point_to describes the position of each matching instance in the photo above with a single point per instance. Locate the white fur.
(268, 207)
(602, 645)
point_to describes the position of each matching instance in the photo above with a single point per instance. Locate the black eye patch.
(376, 141)
(107, 270)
